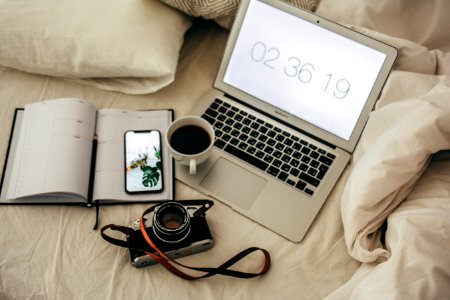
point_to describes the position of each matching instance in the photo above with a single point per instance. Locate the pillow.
(130, 46)
(223, 11)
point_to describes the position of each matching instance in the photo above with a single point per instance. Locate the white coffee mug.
(190, 141)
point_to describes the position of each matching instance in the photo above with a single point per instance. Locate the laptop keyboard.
(280, 154)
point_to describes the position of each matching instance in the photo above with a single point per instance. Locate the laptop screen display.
(303, 69)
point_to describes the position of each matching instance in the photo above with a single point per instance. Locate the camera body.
(175, 230)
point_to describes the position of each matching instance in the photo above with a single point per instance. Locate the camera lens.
(171, 222)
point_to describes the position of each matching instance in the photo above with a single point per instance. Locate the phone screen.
(143, 164)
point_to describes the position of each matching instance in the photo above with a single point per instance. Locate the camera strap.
(176, 267)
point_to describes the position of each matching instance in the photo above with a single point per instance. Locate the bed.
(383, 232)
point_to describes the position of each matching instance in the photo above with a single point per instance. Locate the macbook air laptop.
(291, 98)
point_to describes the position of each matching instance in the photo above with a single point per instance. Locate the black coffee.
(190, 139)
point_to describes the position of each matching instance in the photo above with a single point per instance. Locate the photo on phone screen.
(143, 163)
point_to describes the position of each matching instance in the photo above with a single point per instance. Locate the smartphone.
(143, 161)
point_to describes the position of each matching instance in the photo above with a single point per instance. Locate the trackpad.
(233, 183)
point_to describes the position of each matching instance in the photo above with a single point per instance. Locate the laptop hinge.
(281, 121)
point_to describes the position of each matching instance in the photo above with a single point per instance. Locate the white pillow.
(130, 46)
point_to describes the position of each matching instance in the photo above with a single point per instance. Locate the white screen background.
(288, 41)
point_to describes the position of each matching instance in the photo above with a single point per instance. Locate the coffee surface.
(190, 140)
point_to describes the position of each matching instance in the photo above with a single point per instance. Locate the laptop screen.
(303, 69)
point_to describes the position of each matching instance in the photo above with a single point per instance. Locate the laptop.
(290, 101)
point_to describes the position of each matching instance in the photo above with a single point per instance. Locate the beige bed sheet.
(51, 252)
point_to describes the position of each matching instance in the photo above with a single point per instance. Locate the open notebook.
(65, 151)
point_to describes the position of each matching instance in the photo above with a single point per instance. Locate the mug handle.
(192, 167)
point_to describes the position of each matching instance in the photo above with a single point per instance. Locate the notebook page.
(54, 149)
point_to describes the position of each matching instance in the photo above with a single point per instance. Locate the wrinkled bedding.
(383, 232)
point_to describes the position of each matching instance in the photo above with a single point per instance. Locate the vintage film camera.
(177, 228)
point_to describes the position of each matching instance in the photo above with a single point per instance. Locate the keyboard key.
(290, 182)
(268, 150)
(215, 105)
(314, 154)
(260, 145)
(277, 154)
(309, 179)
(279, 146)
(283, 176)
(262, 137)
(314, 164)
(211, 113)
(296, 155)
(254, 133)
(288, 151)
(268, 159)
(286, 167)
(252, 141)
(305, 150)
(277, 163)
(295, 163)
(238, 117)
(325, 160)
(280, 138)
(243, 137)
(288, 142)
(272, 133)
(210, 120)
(260, 154)
(242, 145)
(254, 125)
(300, 185)
(322, 171)
(286, 158)
(330, 155)
(229, 122)
(246, 157)
(294, 172)
(273, 171)
(306, 159)
(231, 113)
(312, 171)
(219, 144)
(297, 146)
(309, 192)
(235, 133)
(263, 129)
